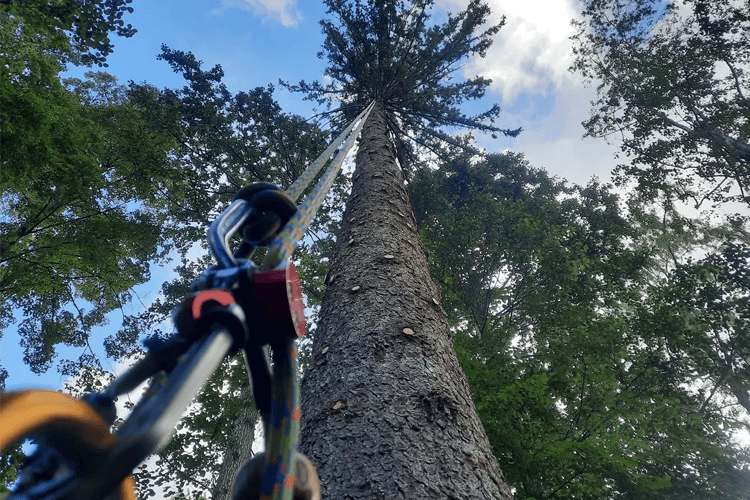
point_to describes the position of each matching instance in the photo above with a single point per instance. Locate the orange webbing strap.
(52, 413)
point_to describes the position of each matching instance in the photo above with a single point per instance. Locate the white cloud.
(283, 11)
(531, 51)
(553, 139)
(528, 63)
(556, 141)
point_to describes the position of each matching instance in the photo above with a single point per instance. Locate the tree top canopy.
(391, 52)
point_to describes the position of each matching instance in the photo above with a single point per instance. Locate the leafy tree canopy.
(75, 162)
(223, 141)
(76, 32)
(673, 92)
(705, 307)
(561, 330)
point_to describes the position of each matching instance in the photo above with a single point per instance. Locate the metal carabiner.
(228, 223)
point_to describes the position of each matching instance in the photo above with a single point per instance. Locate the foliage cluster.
(72, 32)
(592, 378)
(392, 53)
(673, 89)
(224, 142)
(77, 163)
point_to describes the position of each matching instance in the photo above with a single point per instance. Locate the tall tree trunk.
(386, 410)
(240, 445)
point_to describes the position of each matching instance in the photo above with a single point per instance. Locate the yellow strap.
(50, 412)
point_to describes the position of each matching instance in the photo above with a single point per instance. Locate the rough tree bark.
(386, 410)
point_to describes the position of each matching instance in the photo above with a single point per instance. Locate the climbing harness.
(235, 305)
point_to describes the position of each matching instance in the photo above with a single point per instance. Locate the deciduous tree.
(223, 141)
(561, 325)
(75, 32)
(673, 90)
(76, 162)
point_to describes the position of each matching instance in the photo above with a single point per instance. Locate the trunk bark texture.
(240, 446)
(386, 410)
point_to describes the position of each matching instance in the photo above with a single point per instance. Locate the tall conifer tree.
(387, 412)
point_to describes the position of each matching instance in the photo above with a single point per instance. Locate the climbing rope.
(281, 458)
(282, 247)
(295, 190)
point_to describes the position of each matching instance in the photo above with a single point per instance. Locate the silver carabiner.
(228, 223)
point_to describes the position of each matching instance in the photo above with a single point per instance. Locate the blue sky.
(259, 41)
